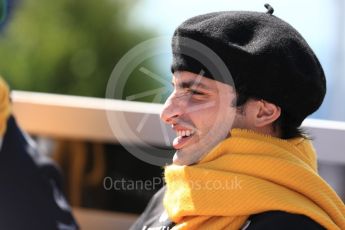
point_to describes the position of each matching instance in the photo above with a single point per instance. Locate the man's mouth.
(183, 136)
(185, 133)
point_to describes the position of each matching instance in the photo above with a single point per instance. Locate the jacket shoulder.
(151, 215)
(280, 220)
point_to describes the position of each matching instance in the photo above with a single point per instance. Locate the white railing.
(85, 118)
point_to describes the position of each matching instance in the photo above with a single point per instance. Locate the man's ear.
(267, 113)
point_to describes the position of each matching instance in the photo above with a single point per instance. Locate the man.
(241, 160)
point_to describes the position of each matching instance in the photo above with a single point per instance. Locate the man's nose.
(173, 109)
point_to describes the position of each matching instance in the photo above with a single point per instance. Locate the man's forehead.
(191, 79)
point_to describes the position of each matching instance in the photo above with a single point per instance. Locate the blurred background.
(71, 47)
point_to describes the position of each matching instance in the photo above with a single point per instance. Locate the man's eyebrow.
(190, 84)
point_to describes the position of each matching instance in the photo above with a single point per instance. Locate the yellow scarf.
(5, 109)
(246, 174)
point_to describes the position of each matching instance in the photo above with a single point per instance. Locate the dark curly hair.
(287, 128)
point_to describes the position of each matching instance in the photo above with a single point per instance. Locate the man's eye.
(196, 92)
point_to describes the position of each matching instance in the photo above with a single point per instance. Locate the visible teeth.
(185, 133)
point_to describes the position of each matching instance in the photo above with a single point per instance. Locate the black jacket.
(30, 187)
(155, 217)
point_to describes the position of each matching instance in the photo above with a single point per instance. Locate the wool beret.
(266, 57)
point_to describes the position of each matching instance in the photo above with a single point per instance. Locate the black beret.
(267, 58)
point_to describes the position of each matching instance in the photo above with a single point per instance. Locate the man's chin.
(181, 158)
(184, 157)
(192, 154)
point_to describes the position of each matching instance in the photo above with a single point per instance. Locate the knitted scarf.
(246, 174)
(4, 106)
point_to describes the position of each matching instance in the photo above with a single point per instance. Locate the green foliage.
(66, 46)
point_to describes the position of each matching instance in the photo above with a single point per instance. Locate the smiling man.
(241, 160)
(199, 111)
